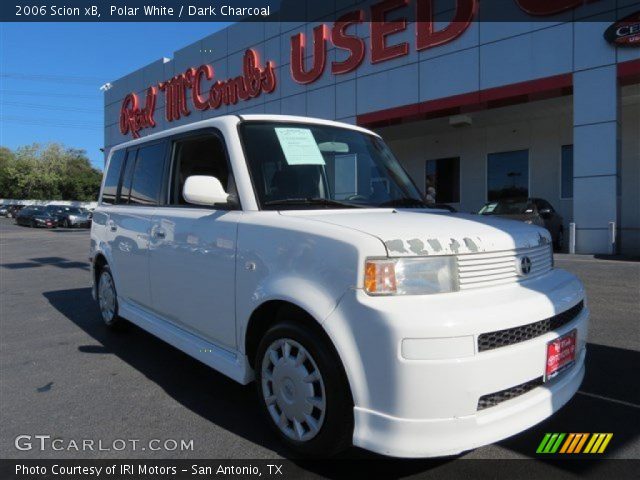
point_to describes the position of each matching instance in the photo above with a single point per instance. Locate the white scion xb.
(298, 253)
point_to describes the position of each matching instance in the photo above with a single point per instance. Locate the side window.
(110, 189)
(148, 173)
(202, 155)
(127, 176)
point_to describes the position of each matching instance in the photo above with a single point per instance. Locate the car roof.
(233, 120)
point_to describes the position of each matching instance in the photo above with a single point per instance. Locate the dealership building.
(545, 105)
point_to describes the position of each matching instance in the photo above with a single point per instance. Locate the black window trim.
(190, 135)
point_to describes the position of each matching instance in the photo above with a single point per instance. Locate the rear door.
(193, 248)
(129, 220)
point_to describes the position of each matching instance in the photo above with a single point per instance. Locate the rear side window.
(148, 174)
(112, 178)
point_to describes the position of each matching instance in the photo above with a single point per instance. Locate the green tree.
(48, 172)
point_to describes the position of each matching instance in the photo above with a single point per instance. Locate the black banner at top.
(308, 10)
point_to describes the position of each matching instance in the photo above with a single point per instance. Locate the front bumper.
(80, 222)
(416, 373)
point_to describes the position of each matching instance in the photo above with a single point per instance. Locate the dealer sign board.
(625, 32)
(198, 87)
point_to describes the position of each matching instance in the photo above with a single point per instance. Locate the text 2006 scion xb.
(297, 253)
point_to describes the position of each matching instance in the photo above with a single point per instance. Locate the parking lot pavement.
(62, 373)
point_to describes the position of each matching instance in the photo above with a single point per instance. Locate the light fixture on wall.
(460, 121)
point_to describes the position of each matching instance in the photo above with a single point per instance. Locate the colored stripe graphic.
(574, 443)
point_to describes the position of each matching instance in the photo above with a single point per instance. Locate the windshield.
(296, 165)
(507, 207)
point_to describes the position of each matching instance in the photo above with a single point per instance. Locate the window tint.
(202, 155)
(442, 181)
(146, 185)
(508, 175)
(566, 169)
(110, 189)
(127, 176)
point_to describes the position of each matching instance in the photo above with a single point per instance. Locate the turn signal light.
(380, 277)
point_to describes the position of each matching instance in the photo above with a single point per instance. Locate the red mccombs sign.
(186, 88)
(254, 80)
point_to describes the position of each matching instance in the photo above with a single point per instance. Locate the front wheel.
(303, 391)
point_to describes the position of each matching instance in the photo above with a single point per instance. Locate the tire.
(322, 427)
(107, 298)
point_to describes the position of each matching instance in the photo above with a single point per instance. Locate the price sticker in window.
(299, 146)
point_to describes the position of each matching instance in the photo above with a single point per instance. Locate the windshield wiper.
(404, 202)
(311, 201)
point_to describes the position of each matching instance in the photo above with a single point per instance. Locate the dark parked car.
(529, 210)
(13, 210)
(36, 217)
(68, 216)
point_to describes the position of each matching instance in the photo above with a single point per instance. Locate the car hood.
(426, 232)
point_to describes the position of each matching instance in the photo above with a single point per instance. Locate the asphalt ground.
(63, 374)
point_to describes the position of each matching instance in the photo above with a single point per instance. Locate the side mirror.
(204, 190)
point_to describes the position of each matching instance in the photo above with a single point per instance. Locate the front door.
(193, 248)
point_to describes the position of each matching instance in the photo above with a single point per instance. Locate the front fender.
(306, 295)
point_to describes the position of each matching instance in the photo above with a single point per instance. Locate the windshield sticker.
(299, 146)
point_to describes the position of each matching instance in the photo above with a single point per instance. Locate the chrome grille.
(510, 336)
(478, 270)
(493, 399)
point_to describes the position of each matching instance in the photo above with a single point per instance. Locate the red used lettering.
(381, 29)
(351, 43)
(428, 37)
(298, 70)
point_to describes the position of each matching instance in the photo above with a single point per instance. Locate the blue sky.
(50, 74)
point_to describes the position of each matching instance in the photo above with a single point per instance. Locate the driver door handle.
(112, 225)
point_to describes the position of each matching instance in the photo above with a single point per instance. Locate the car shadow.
(204, 391)
(608, 401)
(57, 262)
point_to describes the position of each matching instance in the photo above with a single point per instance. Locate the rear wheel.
(107, 297)
(303, 391)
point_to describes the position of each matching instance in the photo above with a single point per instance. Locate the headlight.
(411, 276)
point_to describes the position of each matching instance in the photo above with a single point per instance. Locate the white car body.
(413, 363)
